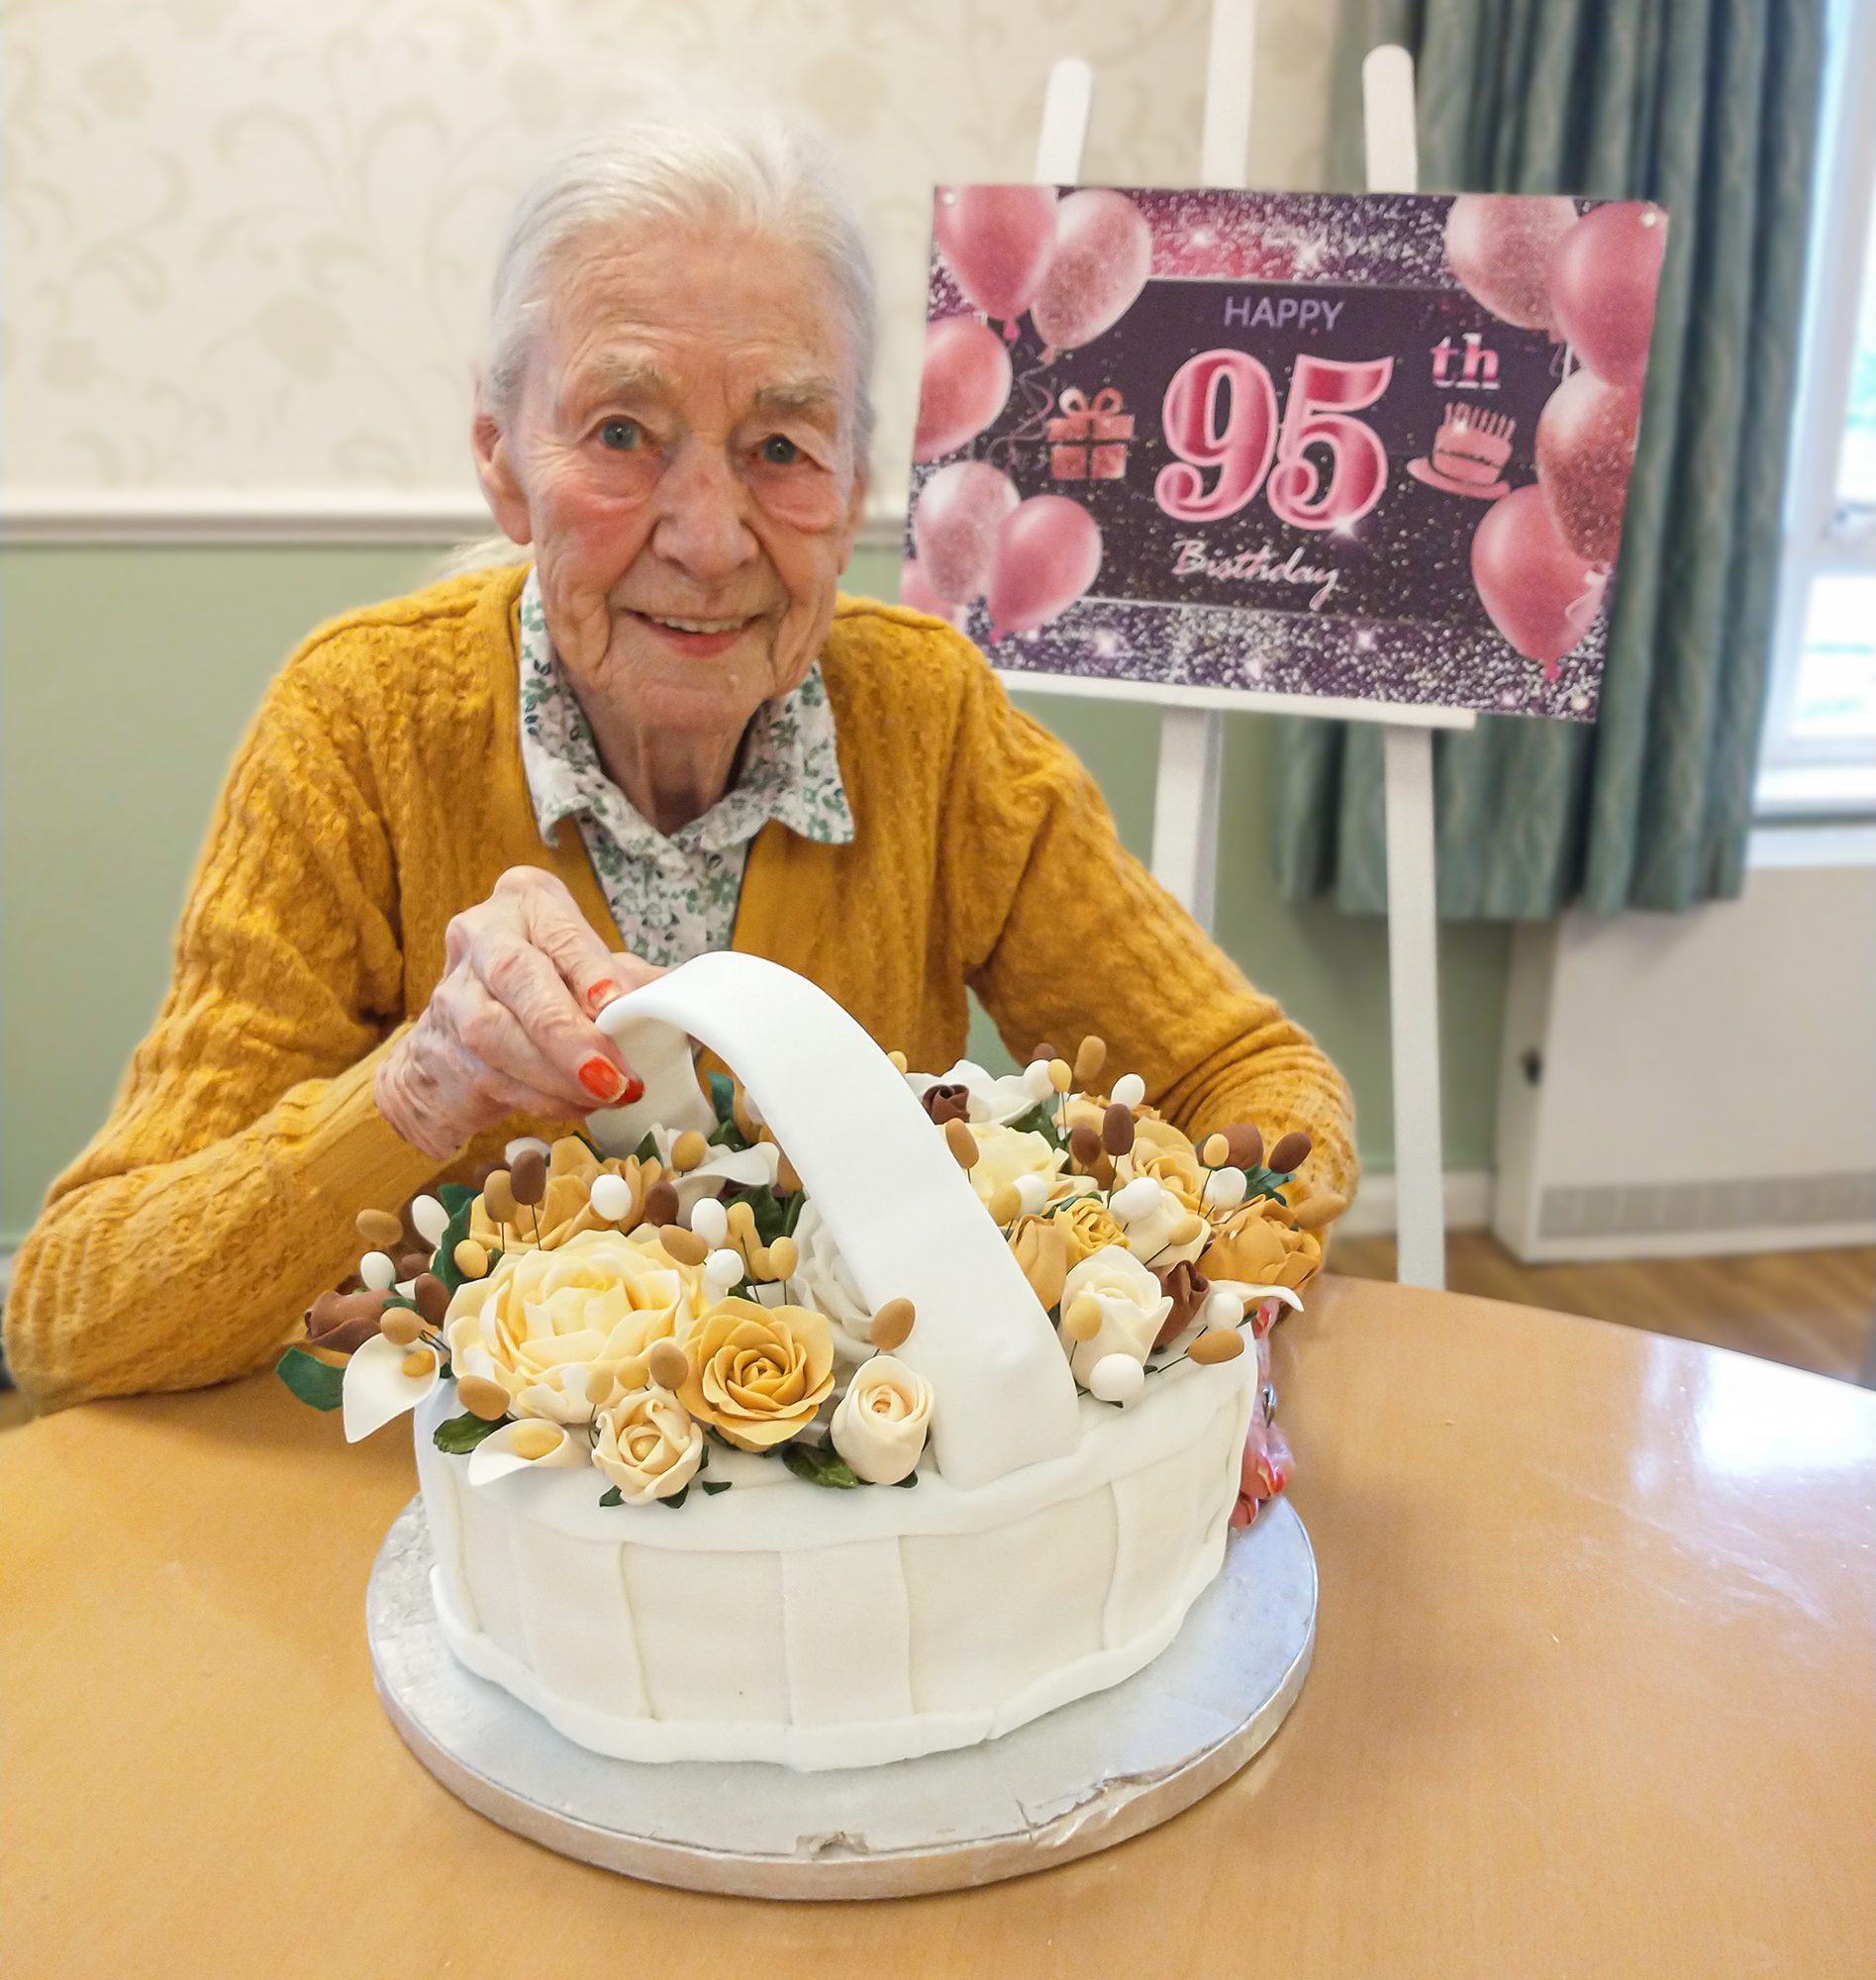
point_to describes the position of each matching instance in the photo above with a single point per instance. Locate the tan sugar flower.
(758, 1373)
(565, 1211)
(1042, 1250)
(1161, 1152)
(1087, 1226)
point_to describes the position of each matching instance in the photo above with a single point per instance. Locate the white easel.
(1191, 722)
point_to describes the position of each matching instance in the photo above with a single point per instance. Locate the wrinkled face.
(682, 458)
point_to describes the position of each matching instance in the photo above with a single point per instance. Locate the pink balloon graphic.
(997, 240)
(1542, 596)
(1104, 252)
(1048, 553)
(964, 385)
(955, 527)
(1604, 273)
(1586, 445)
(1499, 245)
(916, 593)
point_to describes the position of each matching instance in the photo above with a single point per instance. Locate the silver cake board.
(1078, 1779)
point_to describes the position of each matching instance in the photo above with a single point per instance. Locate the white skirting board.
(1375, 1212)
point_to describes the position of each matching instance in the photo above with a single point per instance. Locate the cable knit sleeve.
(1065, 931)
(184, 1242)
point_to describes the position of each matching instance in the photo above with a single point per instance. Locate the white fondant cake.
(982, 1267)
(825, 1629)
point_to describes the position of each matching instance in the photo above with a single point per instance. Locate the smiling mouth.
(695, 625)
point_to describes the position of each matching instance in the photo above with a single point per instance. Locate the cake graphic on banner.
(827, 1412)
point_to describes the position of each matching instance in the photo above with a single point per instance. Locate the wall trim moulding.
(272, 515)
(1375, 1212)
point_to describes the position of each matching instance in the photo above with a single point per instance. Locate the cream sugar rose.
(667, 1381)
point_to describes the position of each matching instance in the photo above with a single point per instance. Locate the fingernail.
(602, 1080)
(634, 1091)
(602, 993)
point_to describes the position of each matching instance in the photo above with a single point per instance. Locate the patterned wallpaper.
(246, 242)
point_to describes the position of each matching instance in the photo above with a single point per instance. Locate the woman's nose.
(703, 523)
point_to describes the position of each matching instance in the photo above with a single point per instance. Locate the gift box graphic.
(1089, 441)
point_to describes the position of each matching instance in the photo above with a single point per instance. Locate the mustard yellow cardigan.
(380, 791)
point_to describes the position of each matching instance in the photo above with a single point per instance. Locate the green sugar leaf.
(675, 1500)
(713, 1485)
(722, 1097)
(462, 1433)
(1041, 1120)
(820, 1466)
(612, 1497)
(312, 1380)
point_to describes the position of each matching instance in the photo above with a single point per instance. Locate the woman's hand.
(510, 1028)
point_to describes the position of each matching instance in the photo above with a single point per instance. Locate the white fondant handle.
(906, 1220)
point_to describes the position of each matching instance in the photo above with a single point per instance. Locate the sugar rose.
(1087, 1226)
(1042, 1250)
(1132, 1304)
(1160, 1151)
(758, 1373)
(555, 1326)
(1004, 1154)
(881, 1422)
(649, 1446)
(1257, 1245)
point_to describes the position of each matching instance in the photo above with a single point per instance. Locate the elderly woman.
(465, 820)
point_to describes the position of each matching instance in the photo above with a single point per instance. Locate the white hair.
(757, 175)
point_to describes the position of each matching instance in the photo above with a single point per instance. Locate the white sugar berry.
(378, 1269)
(1224, 1189)
(1140, 1198)
(431, 1219)
(721, 1269)
(1115, 1378)
(1224, 1310)
(611, 1197)
(1031, 1192)
(1130, 1090)
(521, 1143)
(710, 1221)
(1036, 1081)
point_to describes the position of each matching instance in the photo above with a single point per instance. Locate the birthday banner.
(1372, 446)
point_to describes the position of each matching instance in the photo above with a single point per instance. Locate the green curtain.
(1711, 108)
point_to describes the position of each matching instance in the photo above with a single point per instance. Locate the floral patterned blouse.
(674, 897)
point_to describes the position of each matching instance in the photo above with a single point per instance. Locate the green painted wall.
(129, 676)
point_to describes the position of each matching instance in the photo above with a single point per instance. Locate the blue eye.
(780, 452)
(622, 436)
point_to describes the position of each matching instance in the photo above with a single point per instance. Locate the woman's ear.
(495, 470)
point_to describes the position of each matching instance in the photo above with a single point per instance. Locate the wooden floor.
(1808, 1309)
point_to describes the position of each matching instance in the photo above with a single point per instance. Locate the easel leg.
(1414, 1006)
(1185, 810)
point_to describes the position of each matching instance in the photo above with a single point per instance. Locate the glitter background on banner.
(1403, 622)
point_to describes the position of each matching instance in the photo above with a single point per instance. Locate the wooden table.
(1594, 1695)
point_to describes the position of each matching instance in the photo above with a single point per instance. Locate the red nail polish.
(634, 1091)
(602, 993)
(601, 1079)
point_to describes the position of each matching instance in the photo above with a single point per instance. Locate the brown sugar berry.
(1290, 1154)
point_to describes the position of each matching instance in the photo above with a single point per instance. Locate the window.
(1820, 745)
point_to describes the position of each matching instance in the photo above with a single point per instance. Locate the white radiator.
(1700, 1083)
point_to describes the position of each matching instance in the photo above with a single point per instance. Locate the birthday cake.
(1469, 454)
(675, 1385)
